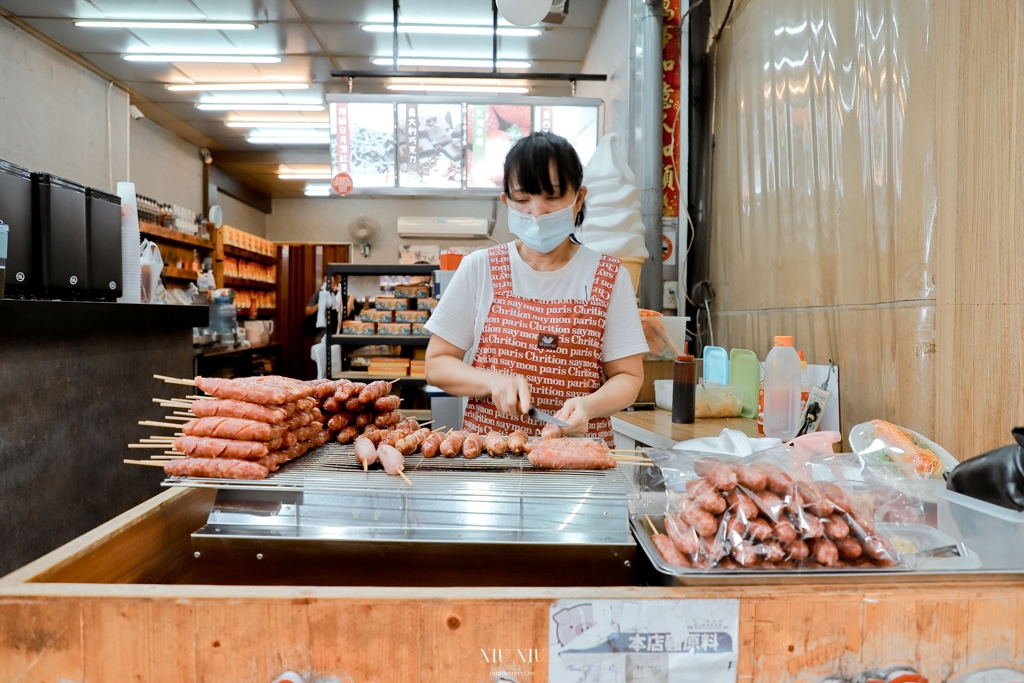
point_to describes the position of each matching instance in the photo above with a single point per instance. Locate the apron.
(555, 345)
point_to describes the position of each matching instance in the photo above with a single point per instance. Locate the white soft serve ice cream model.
(613, 225)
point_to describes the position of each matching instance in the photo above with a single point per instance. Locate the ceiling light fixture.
(286, 140)
(304, 175)
(210, 87)
(495, 89)
(441, 29)
(317, 190)
(456, 63)
(243, 106)
(195, 25)
(202, 59)
(278, 124)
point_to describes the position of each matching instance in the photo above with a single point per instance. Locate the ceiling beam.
(234, 187)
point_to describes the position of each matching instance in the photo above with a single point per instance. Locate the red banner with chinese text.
(672, 70)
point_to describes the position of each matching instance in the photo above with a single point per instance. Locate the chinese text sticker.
(654, 641)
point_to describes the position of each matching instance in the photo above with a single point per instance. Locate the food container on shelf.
(996, 533)
(394, 329)
(358, 327)
(663, 393)
(371, 315)
(412, 291)
(426, 304)
(387, 303)
(716, 401)
(916, 540)
(411, 316)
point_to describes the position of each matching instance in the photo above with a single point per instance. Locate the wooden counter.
(116, 605)
(655, 428)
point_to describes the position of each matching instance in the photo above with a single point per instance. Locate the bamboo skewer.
(151, 463)
(189, 415)
(176, 380)
(407, 480)
(424, 424)
(173, 402)
(193, 397)
(157, 439)
(167, 456)
(175, 417)
(147, 445)
(151, 423)
(654, 530)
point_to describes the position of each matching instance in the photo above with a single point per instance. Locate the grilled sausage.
(386, 404)
(770, 505)
(849, 548)
(344, 391)
(354, 405)
(797, 550)
(741, 504)
(232, 428)
(387, 419)
(374, 390)
(835, 527)
(495, 444)
(452, 445)
(785, 531)
(348, 433)
(209, 447)
(215, 468)
(364, 418)
(700, 519)
(759, 530)
(669, 552)
(247, 411)
(339, 420)
(550, 431)
(431, 445)
(744, 553)
(825, 552)
(331, 405)
(682, 535)
(718, 473)
(472, 446)
(516, 442)
(836, 495)
(771, 551)
(391, 459)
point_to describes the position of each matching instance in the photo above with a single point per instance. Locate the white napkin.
(729, 442)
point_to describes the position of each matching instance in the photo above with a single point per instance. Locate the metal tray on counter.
(679, 576)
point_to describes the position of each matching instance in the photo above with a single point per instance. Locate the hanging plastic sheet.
(824, 194)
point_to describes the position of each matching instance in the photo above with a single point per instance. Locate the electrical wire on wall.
(110, 143)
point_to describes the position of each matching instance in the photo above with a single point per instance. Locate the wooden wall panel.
(251, 641)
(371, 642)
(142, 642)
(980, 223)
(41, 641)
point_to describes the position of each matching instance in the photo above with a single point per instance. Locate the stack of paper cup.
(131, 270)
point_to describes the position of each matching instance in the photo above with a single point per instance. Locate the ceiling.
(311, 37)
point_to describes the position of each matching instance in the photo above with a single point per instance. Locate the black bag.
(995, 477)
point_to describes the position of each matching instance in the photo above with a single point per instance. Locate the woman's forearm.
(457, 378)
(617, 393)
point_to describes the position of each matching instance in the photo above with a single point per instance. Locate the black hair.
(529, 161)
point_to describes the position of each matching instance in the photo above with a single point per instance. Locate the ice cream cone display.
(613, 224)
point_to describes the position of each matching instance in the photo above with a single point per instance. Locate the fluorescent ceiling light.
(199, 87)
(200, 25)
(498, 89)
(277, 124)
(467, 63)
(203, 59)
(242, 106)
(440, 29)
(284, 140)
(304, 175)
(317, 193)
(289, 133)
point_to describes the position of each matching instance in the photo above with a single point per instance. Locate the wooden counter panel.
(783, 638)
(656, 428)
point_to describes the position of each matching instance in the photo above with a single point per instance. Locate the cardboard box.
(370, 315)
(358, 327)
(411, 316)
(390, 303)
(394, 329)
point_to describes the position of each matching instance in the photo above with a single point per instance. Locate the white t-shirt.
(461, 313)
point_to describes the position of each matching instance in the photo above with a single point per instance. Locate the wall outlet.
(668, 295)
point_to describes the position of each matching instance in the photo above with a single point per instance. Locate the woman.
(542, 320)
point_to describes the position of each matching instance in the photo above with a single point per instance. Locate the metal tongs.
(955, 550)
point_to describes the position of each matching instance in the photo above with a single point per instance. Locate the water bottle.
(782, 390)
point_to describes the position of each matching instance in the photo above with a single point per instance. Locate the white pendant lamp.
(524, 12)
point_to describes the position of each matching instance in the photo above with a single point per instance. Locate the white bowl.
(663, 393)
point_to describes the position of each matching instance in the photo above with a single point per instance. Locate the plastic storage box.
(103, 231)
(16, 212)
(995, 533)
(59, 220)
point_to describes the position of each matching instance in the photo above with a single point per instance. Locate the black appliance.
(103, 231)
(16, 212)
(59, 221)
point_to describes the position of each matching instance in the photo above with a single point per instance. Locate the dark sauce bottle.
(684, 387)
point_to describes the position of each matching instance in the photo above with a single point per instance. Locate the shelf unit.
(346, 270)
(177, 246)
(240, 284)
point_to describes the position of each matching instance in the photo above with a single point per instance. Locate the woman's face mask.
(543, 233)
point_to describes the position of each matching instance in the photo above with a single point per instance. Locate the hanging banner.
(430, 145)
(363, 143)
(672, 72)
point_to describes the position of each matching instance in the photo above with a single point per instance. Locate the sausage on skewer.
(366, 452)
(451, 447)
(348, 433)
(551, 432)
(495, 444)
(386, 404)
(391, 459)
(516, 442)
(431, 444)
(472, 446)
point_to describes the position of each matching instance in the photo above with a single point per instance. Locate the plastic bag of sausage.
(779, 509)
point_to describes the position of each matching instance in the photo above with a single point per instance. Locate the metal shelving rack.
(346, 270)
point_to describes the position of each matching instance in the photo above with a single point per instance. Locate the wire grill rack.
(334, 468)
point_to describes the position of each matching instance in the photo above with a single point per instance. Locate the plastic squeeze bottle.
(805, 382)
(684, 387)
(782, 390)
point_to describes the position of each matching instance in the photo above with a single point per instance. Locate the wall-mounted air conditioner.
(442, 228)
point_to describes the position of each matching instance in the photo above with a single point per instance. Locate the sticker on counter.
(656, 641)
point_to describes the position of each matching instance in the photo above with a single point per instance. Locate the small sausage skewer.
(392, 460)
(366, 452)
(516, 442)
(452, 445)
(348, 433)
(495, 444)
(431, 444)
(551, 432)
(386, 404)
(472, 446)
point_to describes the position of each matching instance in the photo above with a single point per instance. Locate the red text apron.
(555, 345)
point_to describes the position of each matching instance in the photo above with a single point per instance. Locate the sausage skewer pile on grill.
(759, 516)
(251, 427)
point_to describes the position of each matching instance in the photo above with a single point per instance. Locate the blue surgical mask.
(543, 233)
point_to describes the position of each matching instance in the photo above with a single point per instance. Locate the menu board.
(578, 125)
(363, 142)
(430, 145)
(492, 130)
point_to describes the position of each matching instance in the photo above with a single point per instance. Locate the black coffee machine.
(59, 223)
(16, 212)
(103, 232)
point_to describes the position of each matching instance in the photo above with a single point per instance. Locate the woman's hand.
(575, 412)
(510, 393)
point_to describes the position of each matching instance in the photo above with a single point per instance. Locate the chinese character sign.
(578, 125)
(363, 142)
(493, 129)
(656, 641)
(672, 60)
(430, 145)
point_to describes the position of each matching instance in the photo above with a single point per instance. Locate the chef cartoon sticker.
(656, 641)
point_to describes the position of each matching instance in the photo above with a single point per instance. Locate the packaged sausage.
(390, 303)
(426, 304)
(780, 509)
(419, 330)
(394, 329)
(358, 327)
(411, 316)
(412, 291)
